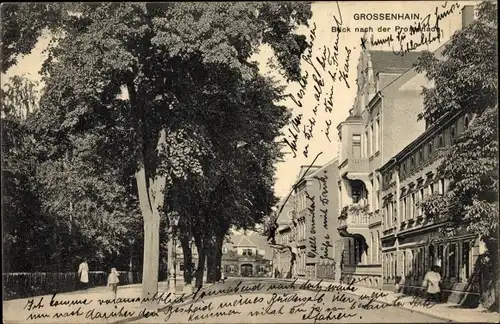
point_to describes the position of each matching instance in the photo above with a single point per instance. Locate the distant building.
(247, 256)
(243, 255)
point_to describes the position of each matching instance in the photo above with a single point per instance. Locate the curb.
(135, 318)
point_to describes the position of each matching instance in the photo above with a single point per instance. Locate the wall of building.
(411, 241)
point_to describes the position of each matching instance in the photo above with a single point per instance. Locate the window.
(421, 198)
(440, 259)
(441, 186)
(452, 134)
(366, 145)
(452, 260)
(181, 266)
(373, 140)
(412, 162)
(466, 122)
(465, 262)
(379, 132)
(431, 188)
(389, 221)
(441, 141)
(421, 156)
(430, 149)
(356, 145)
(369, 142)
(404, 209)
(372, 183)
(413, 204)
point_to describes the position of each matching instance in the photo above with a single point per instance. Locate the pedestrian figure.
(432, 281)
(222, 276)
(83, 273)
(113, 280)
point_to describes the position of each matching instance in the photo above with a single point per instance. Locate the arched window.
(441, 141)
(466, 122)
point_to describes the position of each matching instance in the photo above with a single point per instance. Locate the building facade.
(411, 241)
(308, 244)
(247, 256)
(283, 258)
(382, 121)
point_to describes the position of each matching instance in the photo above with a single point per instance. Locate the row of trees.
(147, 109)
(466, 82)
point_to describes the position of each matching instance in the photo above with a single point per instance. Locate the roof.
(258, 241)
(387, 62)
(327, 164)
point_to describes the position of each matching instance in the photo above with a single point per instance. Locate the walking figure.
(432, 281)
(113, 280)
(83, 273)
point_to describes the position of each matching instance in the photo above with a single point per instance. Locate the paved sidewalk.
(446, 311)
(81, 306)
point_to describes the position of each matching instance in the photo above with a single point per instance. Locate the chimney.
(467, 15)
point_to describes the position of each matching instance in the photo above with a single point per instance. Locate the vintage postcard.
(250, 162)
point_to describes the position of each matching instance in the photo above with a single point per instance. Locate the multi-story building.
(315, 221)
(382, 121)
(411, 241)
(308, 245)
(301, 223)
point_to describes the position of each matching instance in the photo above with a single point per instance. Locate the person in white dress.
(83, 273)
(432, 281)
(114, 280)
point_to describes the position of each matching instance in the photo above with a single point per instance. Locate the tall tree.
(466, 83)
(103, 48)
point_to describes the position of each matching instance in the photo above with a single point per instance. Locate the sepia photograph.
(250, 162)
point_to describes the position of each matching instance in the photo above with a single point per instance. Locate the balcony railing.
(355, 165)
(354, 215)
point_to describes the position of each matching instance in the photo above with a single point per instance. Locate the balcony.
(354, 165)
(354, 219)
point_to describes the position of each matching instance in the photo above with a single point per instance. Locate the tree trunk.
(219, 241)
(151, 259)
(201, 261)
(188, 259)
(491, 296)
(210, 262)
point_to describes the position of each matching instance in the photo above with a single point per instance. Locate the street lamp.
(174, 221)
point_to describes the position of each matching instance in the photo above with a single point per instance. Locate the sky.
(340, 96)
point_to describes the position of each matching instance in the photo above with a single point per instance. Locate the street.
(265, 300)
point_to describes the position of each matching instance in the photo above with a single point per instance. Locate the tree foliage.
(148, 101)
(465, 81)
